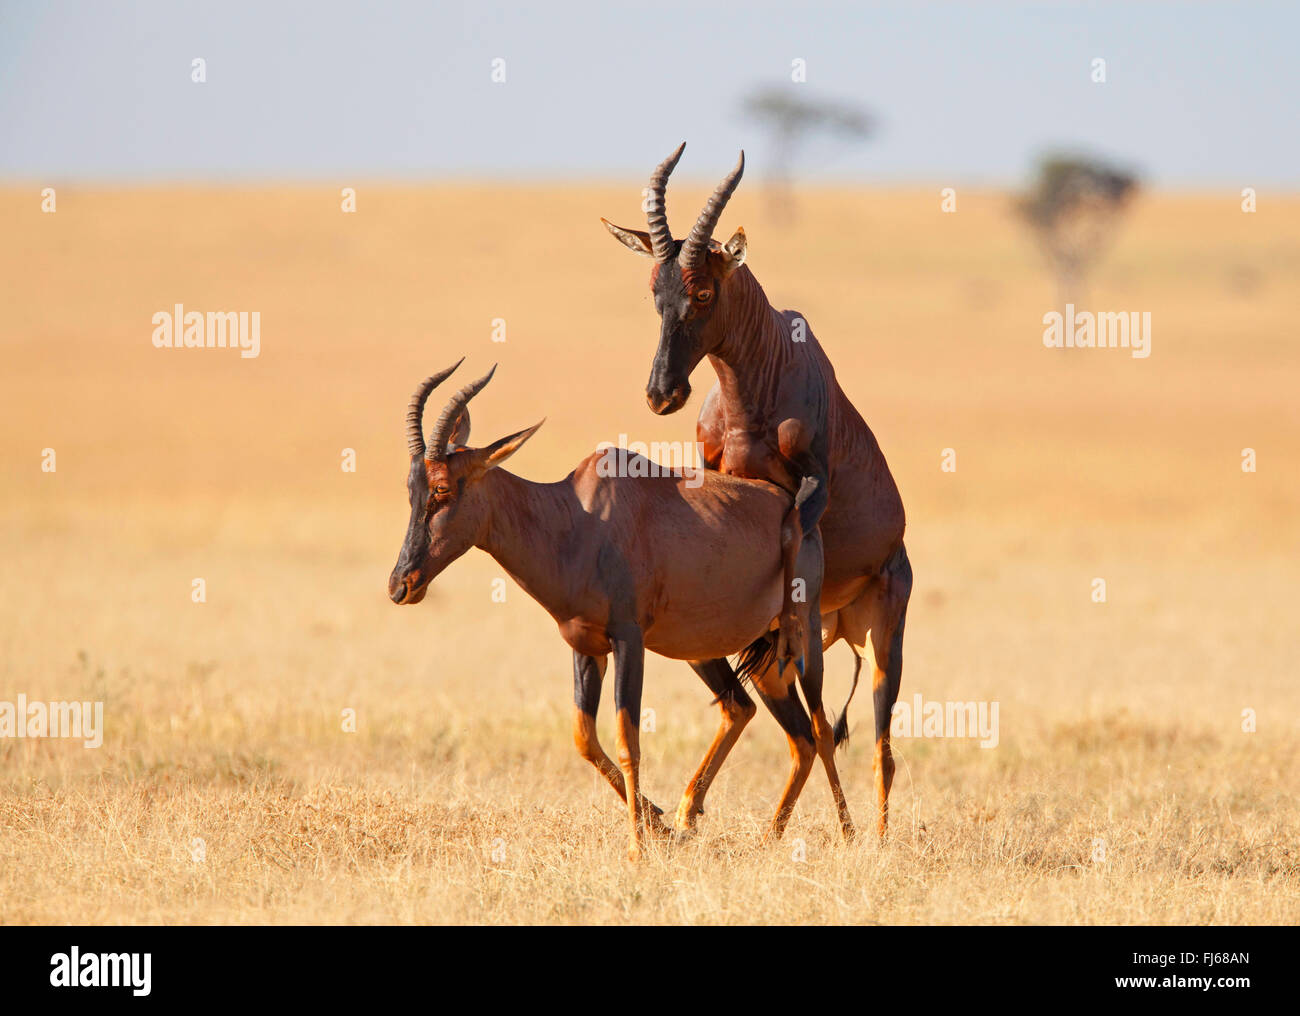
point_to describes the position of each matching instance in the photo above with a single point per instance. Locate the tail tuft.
(842, 722)
(842, 730)
(755, 657)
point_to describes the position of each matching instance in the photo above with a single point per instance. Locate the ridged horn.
(661, 237)
(697, 244)
(446, 422)
(415, 411)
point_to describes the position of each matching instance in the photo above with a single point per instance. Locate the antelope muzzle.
(670, 372)
(407, 585)
(665, 397)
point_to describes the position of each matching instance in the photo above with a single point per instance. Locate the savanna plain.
(1146, 763)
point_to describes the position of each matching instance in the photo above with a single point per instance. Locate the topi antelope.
(623, 564)
(777, 413)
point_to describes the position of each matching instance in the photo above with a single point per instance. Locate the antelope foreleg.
(790, 630)
(588, 672)
(810, 678)
(629, 665)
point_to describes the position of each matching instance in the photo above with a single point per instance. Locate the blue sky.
(1197, 94)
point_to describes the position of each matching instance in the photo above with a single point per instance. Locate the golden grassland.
(459, 797)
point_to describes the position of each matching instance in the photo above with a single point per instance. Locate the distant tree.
(1073, 206)
(791, 120)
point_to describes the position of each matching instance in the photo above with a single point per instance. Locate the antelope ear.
(498, 451)
(635, 240)
(733, 252)
(460, 431)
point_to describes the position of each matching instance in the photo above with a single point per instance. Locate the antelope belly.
(718, 625)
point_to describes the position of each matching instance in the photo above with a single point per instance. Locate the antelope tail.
(842, 722)
(806, 506)
(756, 657)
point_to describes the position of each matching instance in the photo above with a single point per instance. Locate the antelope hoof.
(688, 813)
(651, 818)
(658, 827)
(684, 835)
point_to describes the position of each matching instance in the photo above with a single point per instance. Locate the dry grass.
(1119, 722)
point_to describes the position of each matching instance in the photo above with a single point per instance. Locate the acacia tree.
(1073, 206)
(791, 121)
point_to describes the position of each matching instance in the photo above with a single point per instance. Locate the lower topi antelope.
(623, 564)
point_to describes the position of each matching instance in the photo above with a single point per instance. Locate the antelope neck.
(754, 349)
(527, 527)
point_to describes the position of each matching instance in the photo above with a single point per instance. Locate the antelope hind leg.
(737, 710)
(781, 699)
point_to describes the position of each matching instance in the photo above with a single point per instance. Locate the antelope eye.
(704, 296)
(442, 490)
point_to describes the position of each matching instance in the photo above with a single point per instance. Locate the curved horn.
(661, 237)
(446, 423)
(693, 250)
(415, 411)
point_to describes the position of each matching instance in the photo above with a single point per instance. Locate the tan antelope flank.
(623, 564)
(777, 413)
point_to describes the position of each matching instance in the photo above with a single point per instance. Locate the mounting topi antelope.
(623, 564)
(777, 413)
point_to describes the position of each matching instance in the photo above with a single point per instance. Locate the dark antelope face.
(688, 283)
(448, 504)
